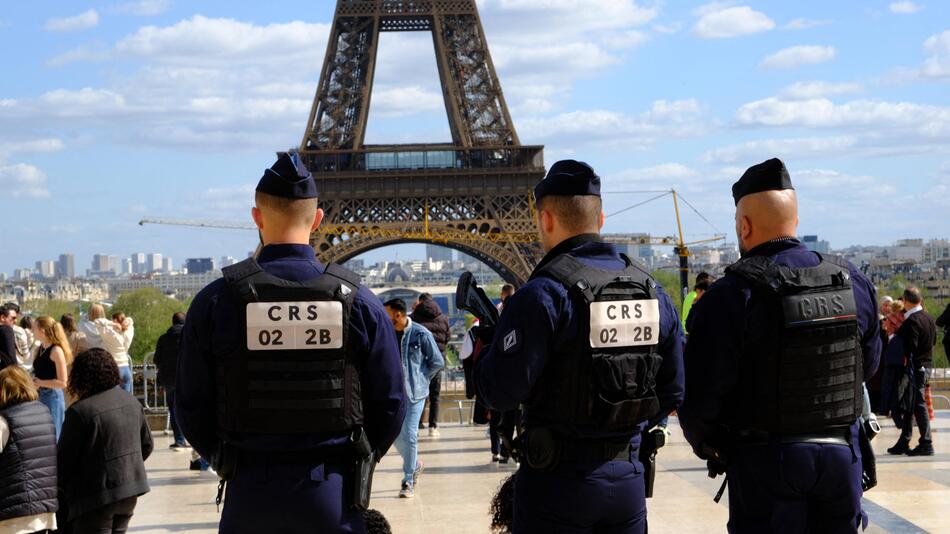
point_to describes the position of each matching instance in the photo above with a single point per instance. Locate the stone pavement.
(459, 480)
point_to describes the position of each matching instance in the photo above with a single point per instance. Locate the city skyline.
(176, 111)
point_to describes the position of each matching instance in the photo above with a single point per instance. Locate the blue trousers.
(271, 494)
(125, 374)
(56, 402)
(407, 443)
(795, 488)
(574, 498)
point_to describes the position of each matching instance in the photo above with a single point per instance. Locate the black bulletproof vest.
(801, 364)
(603, 379)
(296, 375)
(28, 462)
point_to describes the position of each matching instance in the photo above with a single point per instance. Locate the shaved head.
(762, 217)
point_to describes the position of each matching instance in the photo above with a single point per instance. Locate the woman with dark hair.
(27, 457)
(102, 449)
(77, 340)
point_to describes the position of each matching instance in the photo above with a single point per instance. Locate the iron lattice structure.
(473, 195)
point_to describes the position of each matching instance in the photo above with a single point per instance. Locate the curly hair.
(94, 371)
(503, 506)
(376, 522)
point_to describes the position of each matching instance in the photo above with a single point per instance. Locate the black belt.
(595, 451)
(836, 436)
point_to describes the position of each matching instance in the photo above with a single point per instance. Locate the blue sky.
(114, 110)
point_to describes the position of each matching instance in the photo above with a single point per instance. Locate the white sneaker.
(209, 474)
(434, 433)
(406, 492)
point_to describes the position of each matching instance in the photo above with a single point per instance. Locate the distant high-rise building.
(227, 261)
(100, 263)
(46, 268)
(437, 253)
(126, 266)
(66, 266)
(153, 262)
(168, 265)
(816, 245)
(114, 264)
(199, 265)
(22, 274)
(138, 263)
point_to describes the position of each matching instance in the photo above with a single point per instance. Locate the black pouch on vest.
(364, 467)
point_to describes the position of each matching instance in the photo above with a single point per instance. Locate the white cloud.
(904, 7)
(664, 172)
(664, 120)
(804, 24)
(143, 8)
(797, 56)
(201, 40)
(816, 89)
(82, 21)
(626, 40)
(404, 101)
(938, 64)
(926, 120)
(760, 150)
(719, 21)
(23, 180)
(7, 149)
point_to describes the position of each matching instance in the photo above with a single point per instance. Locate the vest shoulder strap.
(241, 270)
(570, 272)
(343, 274)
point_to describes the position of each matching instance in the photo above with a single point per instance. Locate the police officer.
(778, 351)
(591, 346)
(289, 374)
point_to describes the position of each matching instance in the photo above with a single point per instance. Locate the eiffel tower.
(473, 195)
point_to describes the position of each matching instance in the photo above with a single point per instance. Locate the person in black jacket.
(27, 456)
(919, 335)
(428, 314)
(7, 337)
(102, 449)
(166, 359)
(944, 322)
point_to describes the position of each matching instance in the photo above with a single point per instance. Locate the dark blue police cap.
(568, 178)
(288, 178)
(769, 175)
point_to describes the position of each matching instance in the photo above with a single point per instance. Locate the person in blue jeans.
(49, 367)
(421, 360)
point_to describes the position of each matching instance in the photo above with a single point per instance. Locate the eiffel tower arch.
(473, 195)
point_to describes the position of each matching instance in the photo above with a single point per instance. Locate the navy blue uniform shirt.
(716, 333)
(213, 326)
(543, 315)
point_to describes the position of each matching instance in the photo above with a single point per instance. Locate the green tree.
(152, 312)
(670, 280)
(53, 308)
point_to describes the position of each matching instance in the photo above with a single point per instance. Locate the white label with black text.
(624, 323)
(294, 325)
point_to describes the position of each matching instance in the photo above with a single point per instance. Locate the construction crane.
(679, 244)
(448, 234)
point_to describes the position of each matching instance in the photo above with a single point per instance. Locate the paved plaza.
(459, 480)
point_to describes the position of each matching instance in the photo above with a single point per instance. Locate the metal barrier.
(148, 391)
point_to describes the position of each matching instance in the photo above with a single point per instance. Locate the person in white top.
(115, 336)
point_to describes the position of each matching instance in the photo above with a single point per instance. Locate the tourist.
(919, 335)
(94, 322)
(49, 367)
(27, 346)
(428, 314)
(703, 281)
(166, 360)
(102, 450)
(118, 341)
(77, 339)
(27, 457)
(8, 350)
(421, 360)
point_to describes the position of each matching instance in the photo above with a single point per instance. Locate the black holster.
(364, 464)
(651, 442)
(868, 461)
(224, 461)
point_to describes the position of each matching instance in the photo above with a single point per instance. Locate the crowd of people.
(73, 440)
